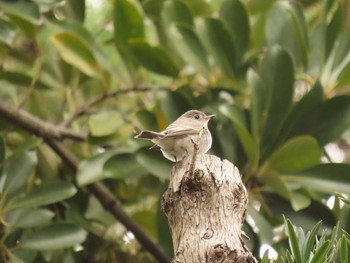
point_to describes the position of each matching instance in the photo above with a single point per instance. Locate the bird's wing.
(178, 133)
(149, 135)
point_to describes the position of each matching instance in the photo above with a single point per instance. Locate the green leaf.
(296, 154)
(310, 241)
(251, 148)
(218, 41)
(344, 249)
(30, 218)
(343, 198)
(24, 14)
(324, 178)
(53, 237)
(26, 11)
(333, 21)
(286, 26)
(147, 119)
(2, 154)
(7, 32)
(123, 166)
(18, 171)
(153, 58)
(46, 194)
(189, 47)
(328, 121)
(128, 22)
(277, 73)
(235, 16)
(321, 253)
(22, 79)
(105, 123)
(29, 144)
(293, 241)
(76, 52)
(258, 91)
(264, 226)
(91, 169)
(73, 10)
(154, 163)
(276, 182)
(173, 105)
(177, 12)
(301, 109)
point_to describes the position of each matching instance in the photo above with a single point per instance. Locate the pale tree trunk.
(205, 210)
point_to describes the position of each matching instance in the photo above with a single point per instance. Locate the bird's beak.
(209, 117)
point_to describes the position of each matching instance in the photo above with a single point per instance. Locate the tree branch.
(82, 110)
(35, 125)
(49, 133)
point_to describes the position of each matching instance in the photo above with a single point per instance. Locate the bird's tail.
(149, 135)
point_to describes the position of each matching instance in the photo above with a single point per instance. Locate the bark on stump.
(205, 211)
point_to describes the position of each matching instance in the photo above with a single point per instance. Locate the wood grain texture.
(205, 211)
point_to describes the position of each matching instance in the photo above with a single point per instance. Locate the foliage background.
(275, 73)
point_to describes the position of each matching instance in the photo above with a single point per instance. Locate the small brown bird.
(181, 137)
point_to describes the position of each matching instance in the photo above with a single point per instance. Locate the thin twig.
(101, 192)
(84, 109)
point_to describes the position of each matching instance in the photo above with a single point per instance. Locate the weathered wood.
(205, 210)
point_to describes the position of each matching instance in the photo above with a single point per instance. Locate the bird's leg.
(195, 151)
(194, 156)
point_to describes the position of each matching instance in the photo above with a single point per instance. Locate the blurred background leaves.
(275, 74)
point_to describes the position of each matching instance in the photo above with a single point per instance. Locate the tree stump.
(205, 210)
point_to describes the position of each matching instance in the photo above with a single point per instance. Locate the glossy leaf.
(173, 105)
(128, 25)
(327, 121)
(297, 154)
(123, 166)
(153, 58)
(324, 178)
(26, 11)
(177, 12)
(57, 236)
(344, 249)
(190, 47)
(264, 226)
(293, 241)
(235, 16)
(286, 26)
(75, 52)
(154, 163)
(128, 22)
(7, 32)
(321, 253)
(91, 169)
(301, 109)
(28, 145)
(18, 171)
(277, 73)
(218, 41)
(2, 154)
(258, 103)
(250, 146)
(73, 10)
(105, 123)
(46, 194)
(310, 241)
(22, 79)
(30, 218)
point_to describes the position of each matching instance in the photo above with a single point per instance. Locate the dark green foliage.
(275, 74)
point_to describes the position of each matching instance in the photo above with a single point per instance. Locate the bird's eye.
(196, 117)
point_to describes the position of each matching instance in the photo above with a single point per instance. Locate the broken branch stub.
(205, 210)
